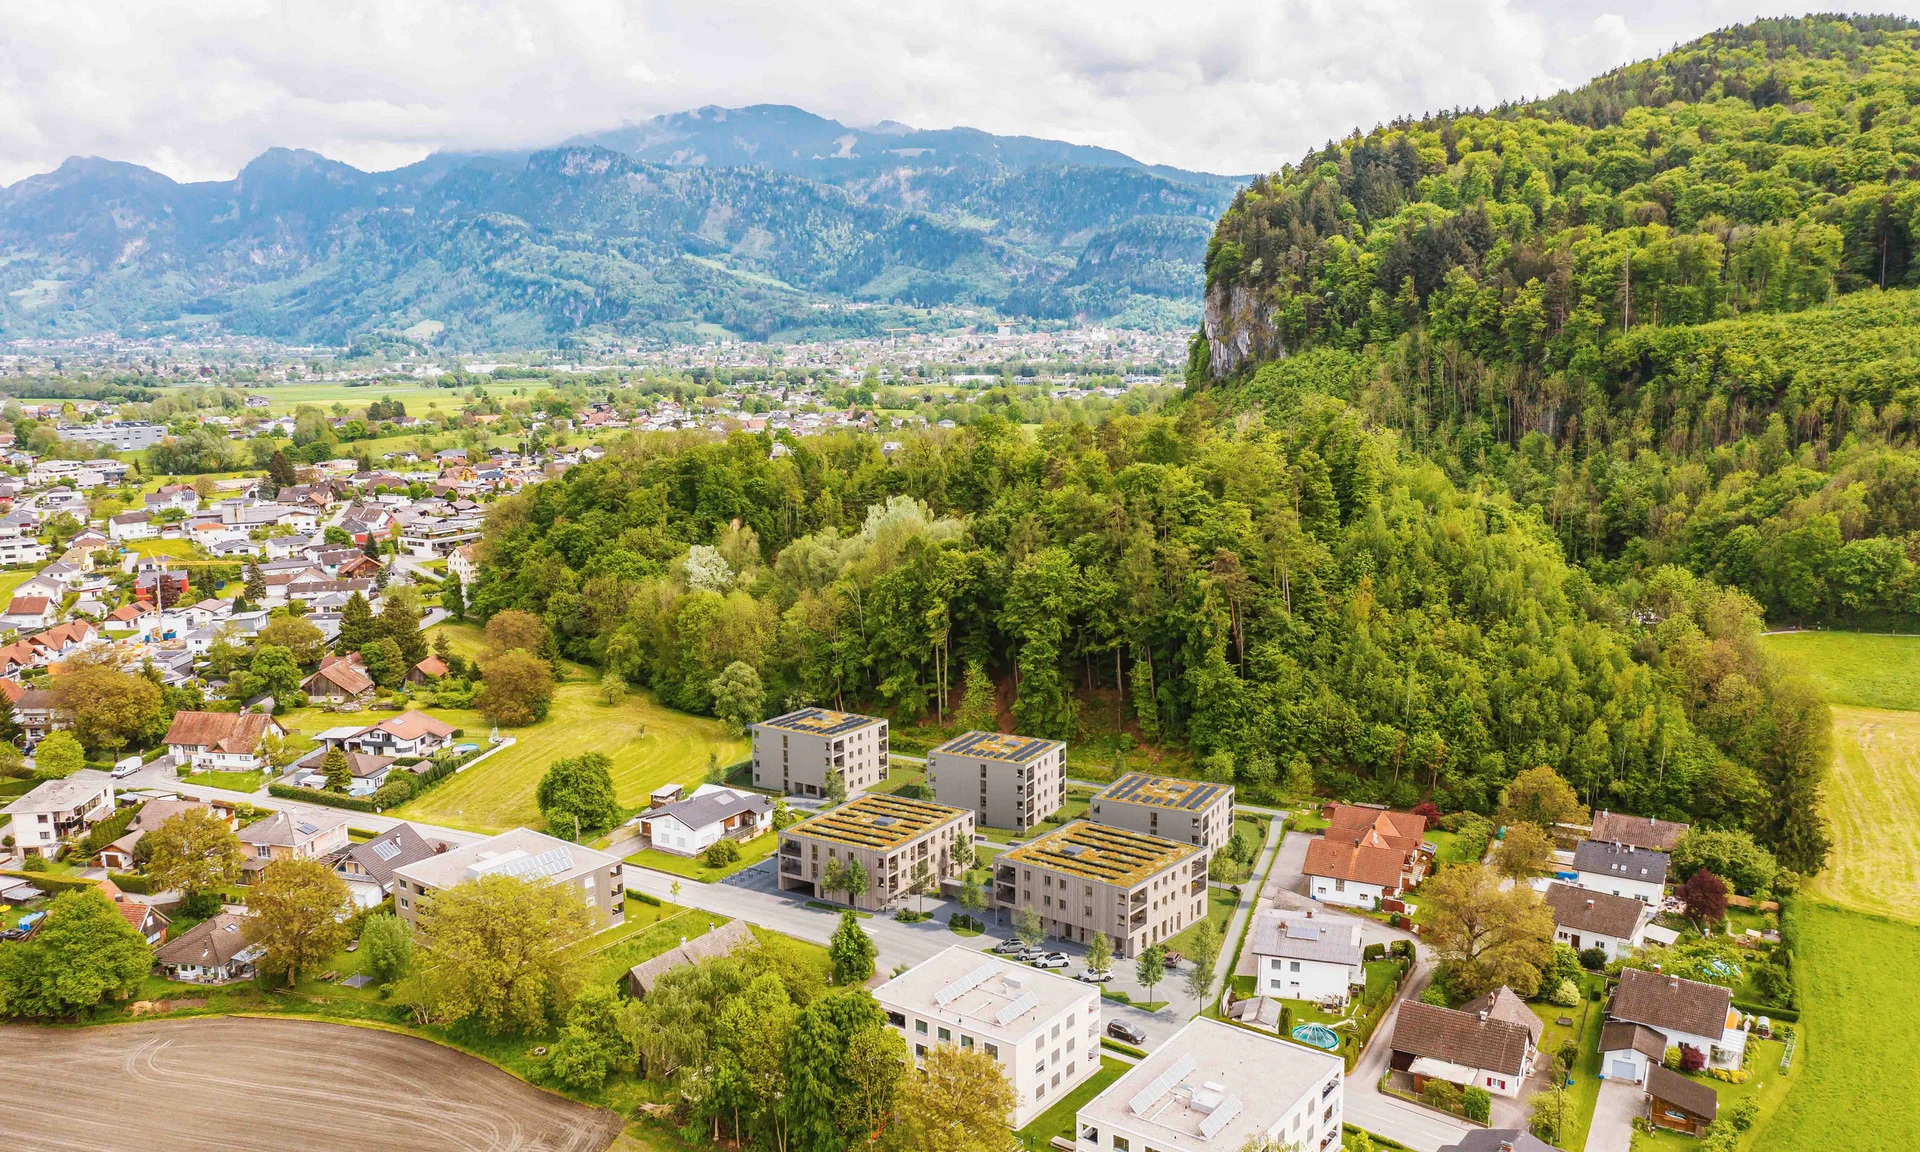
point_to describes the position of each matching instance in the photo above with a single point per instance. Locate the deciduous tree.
(59, 754)
(1523, 852)
(193, 852)
(1542, 797)
(83, 953)
(1487, 937)
(576, 795)
(518, 689)
(851, 950)
(501, 952)
(297, 911)
(959, 1104)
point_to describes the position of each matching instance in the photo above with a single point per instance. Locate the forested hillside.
(1283, 597)
(1664, 310)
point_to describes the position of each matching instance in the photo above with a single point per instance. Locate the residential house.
(1621, 870)
(1359, 875)
(59, 809)
(724, 940)
(1298, 956)
(216, 951)
(1042, 1029)
(29, 613)
(1499, 1140)
(1680, 1104)
(1628, 1050)
(39, 711)
(1686, 1013)
(461, 563)
(129, 526)
(287, 836)
(1639, 831)
(1214, 1087)
(408, 735)
(1483, 1045)
(524, 854)
(147, 920)
(225, 741)
(340, 680)
(687, 827)
(427, 671)
(1404, 832)
(368, 868)
(118, 856)
(173, 497)
(1583, 918)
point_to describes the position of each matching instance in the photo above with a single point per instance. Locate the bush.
(1593, 959)
(1401, 949)
(1476, 1104)
(1742, 1115)
(336, 799)
(643, 897)
(721, 853)
(1671, 1061)
(1442, 1095)
(34, 864)
(1567, 995)
(1692, 1059)
(1373, 952)
(1434, 995)
(128, 882)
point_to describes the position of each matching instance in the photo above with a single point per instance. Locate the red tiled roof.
(1360, 863)
(412, 725)
(27, 605)
(349, 678)
(1402, 830)
(224, 731)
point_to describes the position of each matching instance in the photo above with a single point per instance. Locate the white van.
(127, 767)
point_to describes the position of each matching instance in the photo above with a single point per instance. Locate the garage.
(1626, 1050)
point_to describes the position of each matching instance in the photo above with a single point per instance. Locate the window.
(993, 1051)
(1120, 1144)
(1293, 966)
(966, 1041)
(1039, 1091)
(1339, 885)
(920, 1050)
(946, 1036)
(920, 1027)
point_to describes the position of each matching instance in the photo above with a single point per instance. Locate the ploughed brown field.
(231, 1084)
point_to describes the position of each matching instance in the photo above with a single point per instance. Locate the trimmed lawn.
(175, 549)
(498, 794)
(695, 867)
(1059, 1119)
(1858, 1036)
(1873, 800)
(1768, 1086)
(1581, 1098)
(236, 781)
(11, 580)
(1853, 668)
(1220, 906)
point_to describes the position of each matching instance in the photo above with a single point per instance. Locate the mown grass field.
(1873, 800)
(499, 793)
(1855, 669)
(1859, 1036)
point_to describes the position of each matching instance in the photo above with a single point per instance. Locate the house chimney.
(1589, 903)
(1673, 982)
(1483, 1015)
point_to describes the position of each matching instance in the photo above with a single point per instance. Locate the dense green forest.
(1664, 310)
(1282, 596)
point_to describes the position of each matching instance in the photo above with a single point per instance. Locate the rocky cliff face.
(1238, 323)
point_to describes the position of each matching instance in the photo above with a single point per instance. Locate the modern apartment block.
(526, 855)
(1087, 878)
(1190, 811)
(1009, 781)
(796, 753)
(1214, 1087)
(887, 835)
(1042, 1029)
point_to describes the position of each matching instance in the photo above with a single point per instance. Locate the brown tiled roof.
(1460, 1037)
(237, 733)
(209, 944)
(347, 677)
(1360, 863)
(1587, 911)
(1639, 831)
(139, 915)
(720, 941)
(1503, 1004)
(1672, 1088)
(1402, 830)
(411, 725)
(1620, 1036)
(27, 605)
(1670, 1003)
(431, 666)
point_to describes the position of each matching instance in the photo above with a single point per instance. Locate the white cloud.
(195, 88)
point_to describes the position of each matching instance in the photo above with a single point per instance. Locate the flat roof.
(1163, 791)
(516, 852)
(1212, 1085)
(1098, 852)
(1005, 746)
(877, 821)
(821, 722)
(985, 993)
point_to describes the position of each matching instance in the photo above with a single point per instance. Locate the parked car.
(1123, 1031)
(1009, 948)
(1174, 958)
(1051, 960)
(1092, 977)
(1029, 955)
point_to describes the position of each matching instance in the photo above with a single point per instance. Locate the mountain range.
(763, 222)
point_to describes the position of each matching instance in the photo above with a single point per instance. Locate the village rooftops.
(1003, 746)
(1162, 791)
(1671, 1004)
(821, 722)
(877, 822)
(1299, 936)
(1098, 852)
(1639, 831)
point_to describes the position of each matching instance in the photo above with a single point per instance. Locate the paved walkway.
(1243, 912)
(1612, 1128)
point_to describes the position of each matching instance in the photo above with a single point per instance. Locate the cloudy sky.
(195, 88)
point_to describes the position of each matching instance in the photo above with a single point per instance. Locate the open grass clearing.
(1059, 1119)
(695, 867)
(1220, 905)
(1858, 1036)
(1855, 668)
(498, 793)
(1581, 1097)
(1873, 800)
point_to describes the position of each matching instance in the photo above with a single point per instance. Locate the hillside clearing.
(1873, 800)
(1855, 668)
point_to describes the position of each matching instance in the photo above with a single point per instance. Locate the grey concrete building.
(1009, 781)
(522, 853)
(888, 835)
(1189, 811)
(796, 753)
(1087, 878)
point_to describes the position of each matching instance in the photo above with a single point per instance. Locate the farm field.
(1854, 668)
(314, 1086)
(1858, 1036)
(1873, 800)
(498, 794)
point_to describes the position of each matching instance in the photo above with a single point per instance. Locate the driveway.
(1613, 1116)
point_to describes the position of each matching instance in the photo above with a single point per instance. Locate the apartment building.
(1042, 1029)
(887, 835)
(1214, 1087)
(1009, 781)
(796, 753)
(1189, 811)
(521, 853)
(59, 809)
(1087, 878)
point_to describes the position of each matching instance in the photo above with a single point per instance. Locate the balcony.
(1004, 895)
(792, 866)
(1197, 887)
